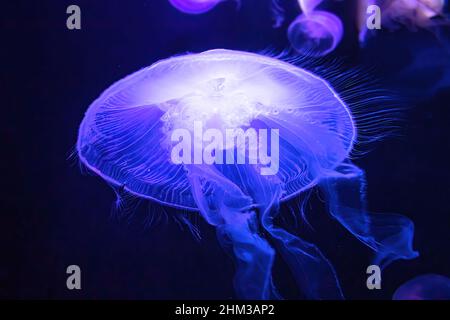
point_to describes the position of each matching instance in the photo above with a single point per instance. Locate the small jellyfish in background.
(424, 287)
(194, 6)
(315, 32)
(413, 14)
(256, 131)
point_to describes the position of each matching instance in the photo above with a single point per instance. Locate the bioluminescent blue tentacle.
(278, 13)
(389, 235)
(224, 205)
(314, 274)
(253, 256)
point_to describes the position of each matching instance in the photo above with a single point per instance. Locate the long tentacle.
(314, 274)
(224, 205)
(389, 235)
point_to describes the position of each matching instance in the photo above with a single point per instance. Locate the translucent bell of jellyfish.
(231, 135)
(315, 33)
(424, 287)
(194, 6)
(307, 6)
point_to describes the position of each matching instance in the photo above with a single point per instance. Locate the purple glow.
(412, 14)
(194, 6)
(425, 287)
(308, 6)
(317, 33)
(125, 138)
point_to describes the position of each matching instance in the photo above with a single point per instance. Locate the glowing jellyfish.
(194, 6)
(414, 14)
(424, 287)
(315, 32)
(237, 184)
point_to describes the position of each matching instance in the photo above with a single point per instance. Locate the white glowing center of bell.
(217, 103)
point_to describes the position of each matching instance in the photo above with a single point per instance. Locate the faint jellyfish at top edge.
(194, 6)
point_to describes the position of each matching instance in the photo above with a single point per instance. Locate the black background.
(54, 215)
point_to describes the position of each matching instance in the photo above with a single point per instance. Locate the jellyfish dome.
(316, 33)
(194, 6)
(231, 135)
(424, 287)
